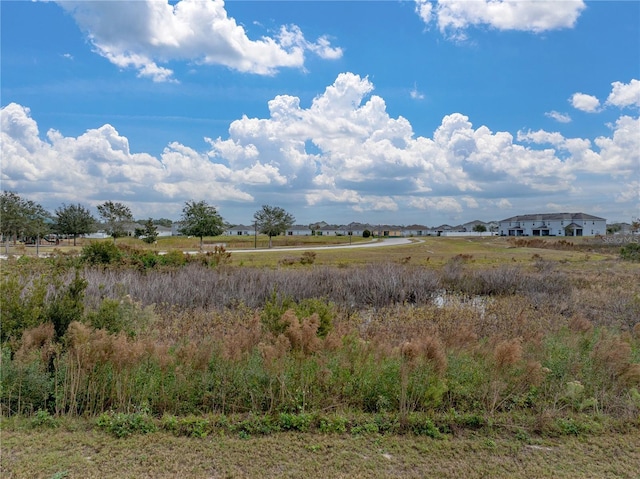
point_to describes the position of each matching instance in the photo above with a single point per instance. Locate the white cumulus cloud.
(343, 152)
(453, 17)
(584, 102)
(624, 95)
(559, 117)
(144, 34)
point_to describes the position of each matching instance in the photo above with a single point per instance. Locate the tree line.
(22, 219)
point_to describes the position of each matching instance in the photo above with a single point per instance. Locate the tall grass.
(387, 338)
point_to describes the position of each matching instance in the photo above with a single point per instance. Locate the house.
(387, 231)
(239, 230)
(415, 230)
(553, 224)
(299, 230)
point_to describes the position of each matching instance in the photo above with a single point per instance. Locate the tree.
(200, 219)
(74, 220)
(479, 228)
(149, 231)
(272, 221)
(115, 216)
(21, 218)
(163, 222)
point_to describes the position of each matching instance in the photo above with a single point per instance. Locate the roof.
(555, 216)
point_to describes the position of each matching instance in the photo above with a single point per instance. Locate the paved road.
(371, 244)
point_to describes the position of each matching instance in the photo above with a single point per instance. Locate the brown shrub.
(41, 338)
(579, 324)
(507, 353)
(429, 349)
(611, 355)
(303, 336)
(631, 376)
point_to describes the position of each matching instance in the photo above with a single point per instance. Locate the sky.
(394, 112)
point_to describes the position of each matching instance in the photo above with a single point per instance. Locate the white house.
(553, 224)
(240, 230)
(299, 230)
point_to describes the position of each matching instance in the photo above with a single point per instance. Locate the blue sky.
(395, 112)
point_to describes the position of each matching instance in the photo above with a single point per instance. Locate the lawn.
(76, 451)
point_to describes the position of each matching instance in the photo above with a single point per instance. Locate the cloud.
(146, 33)
(342, 152)
(584, 102)
(415, 94)
(559, 117)
(453, 17)
(624, 95)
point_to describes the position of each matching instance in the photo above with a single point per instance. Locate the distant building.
(553, 224)
(239, 230)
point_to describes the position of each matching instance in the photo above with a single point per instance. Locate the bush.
(630, 252)
(101, 252)
(123, 425)
(366, 234)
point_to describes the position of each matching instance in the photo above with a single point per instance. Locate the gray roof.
(555, 216)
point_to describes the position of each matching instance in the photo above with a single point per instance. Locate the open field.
(481, 357)
(89, 454)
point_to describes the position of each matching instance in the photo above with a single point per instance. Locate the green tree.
(272, 221)
(200, 219)
(115, 217)
(149, 232)
(74, 220)
(479, 228)
(21, 218)
(163, 222)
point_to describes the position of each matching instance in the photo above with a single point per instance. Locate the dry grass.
(76, 452)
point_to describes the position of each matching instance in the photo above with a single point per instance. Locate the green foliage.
(333, 424)
(25, 385)
(324, 309)
(200, 219)
(272, 221)
(74, 220)
(421, 425)
(295, 422)
(149, 232)
(42, 419)
(67, 305)
(101, 252)
(630, 252)
(366, 234)
(115, 217)
(23, 305)
(123, 425)
(277, 305)
(20, 217)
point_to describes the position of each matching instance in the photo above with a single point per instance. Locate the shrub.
(366, 234)
(43, 419)
(630, 252)
(123, 425)
(101, 252)
(22, 305)
(67, 305)
(308, 257)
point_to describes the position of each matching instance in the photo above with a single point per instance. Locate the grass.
(540, 379)
(78, 451)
